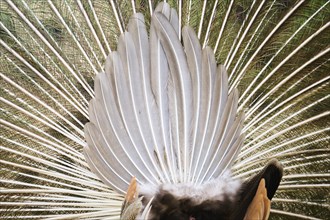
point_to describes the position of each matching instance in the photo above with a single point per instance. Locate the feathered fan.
(183, 136)
(162, 113)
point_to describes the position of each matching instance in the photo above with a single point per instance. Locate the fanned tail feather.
(172, 90)
(159, 106)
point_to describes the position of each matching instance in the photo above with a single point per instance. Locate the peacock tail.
(276, 53)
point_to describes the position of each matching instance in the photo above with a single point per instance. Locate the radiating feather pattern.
(51, 52)
(148, 117)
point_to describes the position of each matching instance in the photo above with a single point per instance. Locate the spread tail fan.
(124, 113)
(192, 98)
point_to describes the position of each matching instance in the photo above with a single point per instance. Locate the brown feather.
(260, 206)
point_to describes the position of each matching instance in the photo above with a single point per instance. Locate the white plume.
(175, 92)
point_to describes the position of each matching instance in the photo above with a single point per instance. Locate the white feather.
(194, 58)
(181, 79)
(107, 118)
(98, 163)
(130, 99)
(205, 108)
(149, 113)
(173, 86)
(164, 110)
(225, 124)
(159, 84)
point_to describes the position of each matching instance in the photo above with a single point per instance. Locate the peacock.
(165, 110)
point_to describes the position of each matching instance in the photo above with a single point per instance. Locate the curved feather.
(194, 58)
(115, 145)
(206, 98)
(174, 99)
(159, 84)
(225, 124)
(130, 93)
(152, 129)
(99, 160)
(180, 77)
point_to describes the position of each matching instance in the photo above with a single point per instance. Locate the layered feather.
(120, 112)
(51, 52)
